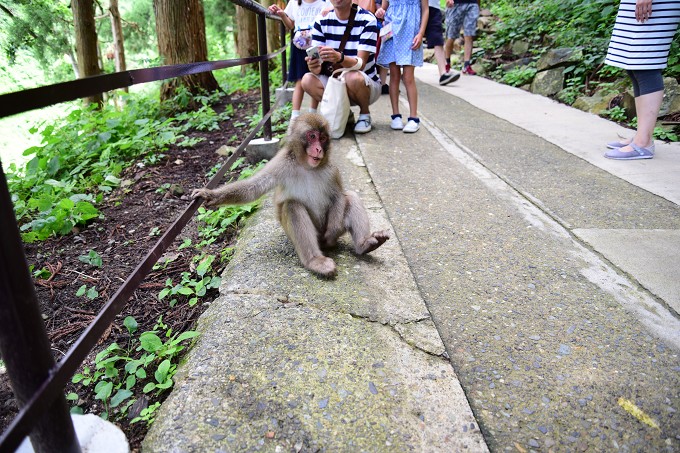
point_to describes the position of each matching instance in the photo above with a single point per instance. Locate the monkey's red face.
(316, 142)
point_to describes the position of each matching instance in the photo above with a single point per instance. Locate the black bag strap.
(348, 30)
(350, 25)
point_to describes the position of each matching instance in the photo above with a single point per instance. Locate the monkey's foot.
(323, 266)
(375, 240)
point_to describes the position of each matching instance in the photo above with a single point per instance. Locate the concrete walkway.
(528, 299)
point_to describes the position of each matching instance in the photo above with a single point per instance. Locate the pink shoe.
(468, 70)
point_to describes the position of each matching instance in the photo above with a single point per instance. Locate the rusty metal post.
(24, 345)
(264, 73)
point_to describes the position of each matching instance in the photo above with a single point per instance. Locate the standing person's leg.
(413, 123)
(411, 90)
(469, 31)
(636, 93)
(434, 35)
(298, 95)
(395, 80)
(454, 22)
(647, 107)
(648, 89)
(297, 68)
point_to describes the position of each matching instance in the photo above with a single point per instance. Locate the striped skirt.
(640, 46)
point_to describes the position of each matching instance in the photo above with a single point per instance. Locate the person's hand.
(449, 3)
(326, 10)
(274, 9)
(329, 54)
(417, 41)
(380, 13)
(643, 10)
(314, 65)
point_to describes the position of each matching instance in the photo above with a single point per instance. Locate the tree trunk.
(180, 28)
(118, 42)
(86, 42)
(273, 29)
(246, 35)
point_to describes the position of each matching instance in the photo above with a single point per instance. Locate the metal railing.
(37, 380)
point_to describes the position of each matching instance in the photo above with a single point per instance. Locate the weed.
(617, 114)
(119, 371)
(92, 258)
(519, 76)
(91, 292)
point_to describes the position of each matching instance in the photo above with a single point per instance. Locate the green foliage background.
(548, 24)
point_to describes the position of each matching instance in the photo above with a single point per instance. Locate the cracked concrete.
(290, 362)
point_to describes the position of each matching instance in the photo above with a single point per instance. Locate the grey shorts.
(462, 15)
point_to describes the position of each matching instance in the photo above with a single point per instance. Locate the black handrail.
(37, 381)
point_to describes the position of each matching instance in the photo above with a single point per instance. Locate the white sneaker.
(363, 125)
(397, 123)
(411, 127)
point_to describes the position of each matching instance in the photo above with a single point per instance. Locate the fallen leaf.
(638, 413)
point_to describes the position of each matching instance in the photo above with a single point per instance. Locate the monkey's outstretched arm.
(241, 192)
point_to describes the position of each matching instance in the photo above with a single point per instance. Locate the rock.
(597, 103)
(671, 96)
(519, 47)
(628, 103)
(484, 23)
(516, 64)
(549, 82)
(225, 150)
(559, 57)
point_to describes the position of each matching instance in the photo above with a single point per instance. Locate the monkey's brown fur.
(311, 204)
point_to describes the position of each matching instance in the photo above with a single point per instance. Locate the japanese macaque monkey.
(311, 204)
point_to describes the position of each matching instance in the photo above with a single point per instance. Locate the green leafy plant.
(91, 292)
(616, 114)
(663, 134)
(190, 287)
(148, 414)
(80, 159)
(92, 258)
(149, 359)
(519, 76)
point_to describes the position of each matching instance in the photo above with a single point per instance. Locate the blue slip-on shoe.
(614, 145)
(637, 153)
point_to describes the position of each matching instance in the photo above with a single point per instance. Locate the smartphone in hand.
(313, 52)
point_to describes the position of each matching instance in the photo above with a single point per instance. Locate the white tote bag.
(334, 104)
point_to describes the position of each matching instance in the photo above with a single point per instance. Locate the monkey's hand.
(208, 196)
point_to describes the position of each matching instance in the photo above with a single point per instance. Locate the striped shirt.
(643, 45)
(328, 31)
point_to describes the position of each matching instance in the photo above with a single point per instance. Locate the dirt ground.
(133, 220)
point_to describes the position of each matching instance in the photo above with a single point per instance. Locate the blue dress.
(404, 15)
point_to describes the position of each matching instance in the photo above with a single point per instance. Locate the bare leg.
(467, 47)
(312, 86)
(411, 90)
(647, 108)
(358, 91)
(356, 221)
(298, 94)
(302, 232)
(441, 59)
(448, 48)
(395, 80)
